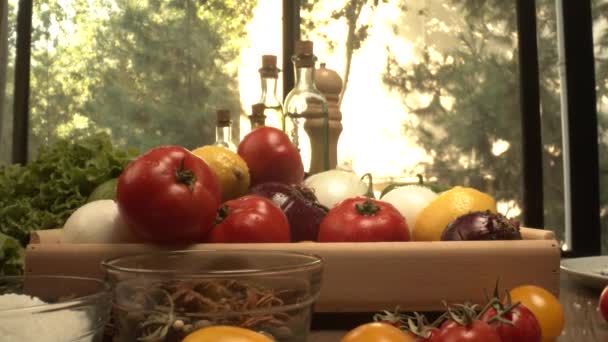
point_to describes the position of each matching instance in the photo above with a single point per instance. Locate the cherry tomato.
(271, 157)
(250, 218)
(523, 327)
(545, 307)
(224, 333)
(603, 303)
(476, 331)
(168, 195)
(362, 219)
(433, 336)
(376, 332)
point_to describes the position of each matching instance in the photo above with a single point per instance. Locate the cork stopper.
(304, 57)
(257, 109)
(257, 117)
(269, 61)
(269, 66)
(303, 47)
(223, 117)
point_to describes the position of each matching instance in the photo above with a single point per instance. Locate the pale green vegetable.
(106, 190)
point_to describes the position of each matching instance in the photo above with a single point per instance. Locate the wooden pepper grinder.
(329, 84)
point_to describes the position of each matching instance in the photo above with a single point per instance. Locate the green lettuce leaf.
(11, 256)
(45, 192)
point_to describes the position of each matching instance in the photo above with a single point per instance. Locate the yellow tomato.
(224, 333)
(545, 307)
(376, 332)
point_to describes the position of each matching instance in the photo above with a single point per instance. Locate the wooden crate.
(361, 277)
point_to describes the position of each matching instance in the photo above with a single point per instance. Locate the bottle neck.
(269, 91)
(257, 121)
(305, 77)
(223, 133)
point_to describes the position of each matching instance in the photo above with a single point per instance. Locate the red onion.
(299, 204)
(482, 225)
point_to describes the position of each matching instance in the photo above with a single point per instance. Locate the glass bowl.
(166, 295)
(53, 308)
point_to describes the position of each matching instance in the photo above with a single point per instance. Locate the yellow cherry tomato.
(545, 306)
(224, 333)
(376, 332)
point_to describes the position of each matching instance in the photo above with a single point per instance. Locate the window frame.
(22, 83)
(532, 163)
(581, 158)
(291, 33)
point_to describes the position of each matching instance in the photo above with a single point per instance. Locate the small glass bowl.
(165, 296)
(65, 309)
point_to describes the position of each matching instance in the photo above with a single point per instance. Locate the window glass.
(600, 34)
(432, 85)
(550, 74)
(147, 72)
(8, 15)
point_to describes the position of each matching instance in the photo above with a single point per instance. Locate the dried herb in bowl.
(169, 310)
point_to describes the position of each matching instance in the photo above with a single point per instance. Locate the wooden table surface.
(583, 321)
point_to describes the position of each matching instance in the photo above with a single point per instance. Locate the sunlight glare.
(500, 146)
(78, 122)
(371, 110)
(264, 37)
(508, 208)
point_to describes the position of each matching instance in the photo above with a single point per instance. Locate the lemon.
(448, 206)
(223, 333)
(230, 169)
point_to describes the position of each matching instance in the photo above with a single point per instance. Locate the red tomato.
(250, 218)
(433, 336)
(476, 331)
(271, 156)
(603, 303)
(544, 305)
(168, 195)
(524, 326)
(362, 219)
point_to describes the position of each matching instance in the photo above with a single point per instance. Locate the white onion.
(333, 186)
(410, 200)
(97, 222)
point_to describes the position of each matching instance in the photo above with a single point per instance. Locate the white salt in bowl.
(53, 309)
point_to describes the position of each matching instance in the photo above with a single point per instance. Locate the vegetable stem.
(367, 208)
(185, 176)
(370, 185)
(222, 213)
